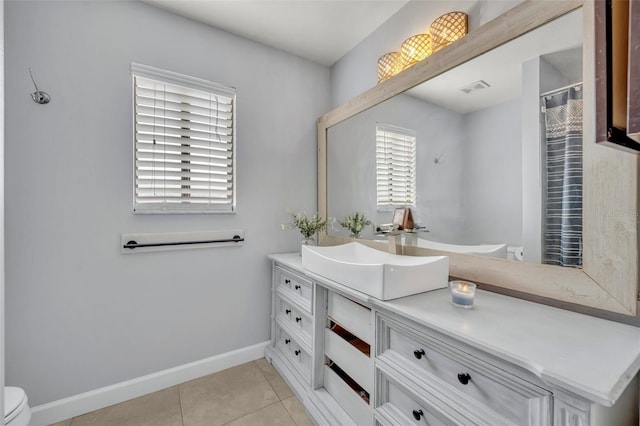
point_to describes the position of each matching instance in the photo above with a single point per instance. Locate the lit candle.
(462, 293)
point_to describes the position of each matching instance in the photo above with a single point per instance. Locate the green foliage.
(308, 226)
(355, 223)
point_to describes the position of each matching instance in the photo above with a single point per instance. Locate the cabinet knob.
(464, 378)
(287, 341)
(298, 319)
(287, 311)
(297, 352)
(419, 353)
(287, 281)
(417, 414)
(297, 287)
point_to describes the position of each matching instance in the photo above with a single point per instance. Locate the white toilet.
(16, 407)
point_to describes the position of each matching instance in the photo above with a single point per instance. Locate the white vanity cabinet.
(450, 382)
(292, 322)
(353, 359)
(333, 374)
(348, 343)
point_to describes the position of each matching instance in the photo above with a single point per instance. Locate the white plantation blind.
(395, 166)
(184, 143)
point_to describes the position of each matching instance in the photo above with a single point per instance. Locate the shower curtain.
(563, 203)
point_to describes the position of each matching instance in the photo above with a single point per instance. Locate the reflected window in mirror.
(395, 167)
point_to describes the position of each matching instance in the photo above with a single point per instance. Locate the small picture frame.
(402, 218)
(398, 216)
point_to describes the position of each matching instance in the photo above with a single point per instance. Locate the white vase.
(307, 241)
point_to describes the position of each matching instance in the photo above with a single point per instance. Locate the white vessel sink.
(489, 250)
(377, 273)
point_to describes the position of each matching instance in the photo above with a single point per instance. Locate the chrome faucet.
(394, 238)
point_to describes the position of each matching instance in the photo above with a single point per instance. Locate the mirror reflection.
(487, 155)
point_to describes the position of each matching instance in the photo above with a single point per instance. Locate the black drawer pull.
(297, 352)
(287, 311)
(419, 353)
(417, 414)
(297, 287)
(287, 341)
(298, 319)
(287, 281)
(464, 378)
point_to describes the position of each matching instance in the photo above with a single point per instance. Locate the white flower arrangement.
(355, 223)
(308, 226)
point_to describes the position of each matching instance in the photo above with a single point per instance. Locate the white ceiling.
(319, 30)
(559, 42)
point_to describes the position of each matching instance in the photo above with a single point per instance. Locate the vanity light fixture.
(415, 49)
(443, 31)
(448, 28)
(389, 65)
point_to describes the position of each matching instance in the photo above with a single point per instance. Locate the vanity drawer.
(348, 398)
(294, 352)
(351, 315)
(284, 342)
(515, 399)
(294, 318)
(302, 360)
(399, 407)
(296, 287)
(350, 359)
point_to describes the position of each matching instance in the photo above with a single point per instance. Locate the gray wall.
(492, 191)
(472, 195)
(2, 261)
(351, 165)
(80, 315)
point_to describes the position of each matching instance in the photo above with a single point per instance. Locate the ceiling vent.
(477, 85)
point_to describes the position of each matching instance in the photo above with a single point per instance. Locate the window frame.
(194, 83)
(404, 132)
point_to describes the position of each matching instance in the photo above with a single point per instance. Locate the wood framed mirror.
(608, 279)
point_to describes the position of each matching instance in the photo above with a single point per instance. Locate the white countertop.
(591, 357)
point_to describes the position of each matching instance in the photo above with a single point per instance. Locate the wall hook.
(438, 160)
(38, 96)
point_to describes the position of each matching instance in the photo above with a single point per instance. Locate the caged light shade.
(448, 28)
(389, 65)
(415, 49)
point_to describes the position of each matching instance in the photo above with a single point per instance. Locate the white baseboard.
(76, 405)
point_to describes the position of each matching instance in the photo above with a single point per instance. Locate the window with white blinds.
(184, 143)
(395, 167)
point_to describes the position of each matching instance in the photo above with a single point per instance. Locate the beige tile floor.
(246, 395)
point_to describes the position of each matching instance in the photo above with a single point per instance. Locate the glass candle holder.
(462, 293)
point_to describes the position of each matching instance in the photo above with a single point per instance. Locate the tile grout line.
(267, 380)
(180, 402)
(293, 395)
(255, 411)
(289, 412)
(261, 408)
